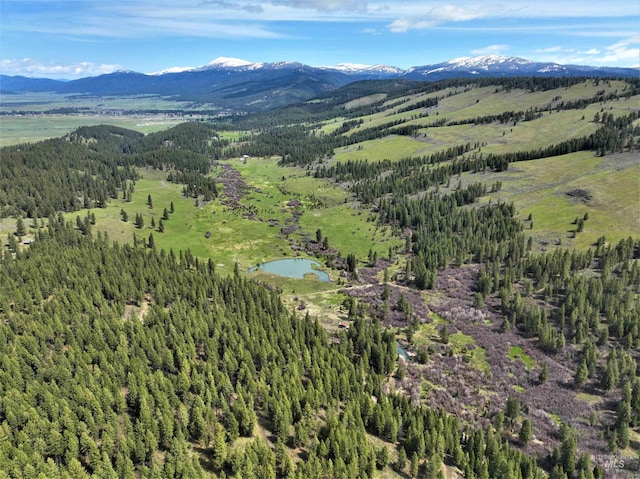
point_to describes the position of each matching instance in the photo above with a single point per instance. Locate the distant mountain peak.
(486, 60)
(359, 68)
(349, 66)
(228, 62)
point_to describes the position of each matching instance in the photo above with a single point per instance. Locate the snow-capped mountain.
(243, 85)
(361, 69)
(487, 61)
(226, 62)
(171, 70)
(502, 66)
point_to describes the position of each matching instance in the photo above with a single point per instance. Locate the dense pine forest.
(127, 359)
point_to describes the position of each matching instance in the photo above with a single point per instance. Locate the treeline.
(614, 136)
(504, 117)
(442, 232)
(93, 164)
(195, 184)
(125, 361)
(293, 143)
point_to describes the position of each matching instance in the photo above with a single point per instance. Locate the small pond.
(293, 268)
(402, 352)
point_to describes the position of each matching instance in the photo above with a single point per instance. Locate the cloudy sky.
(77, 38)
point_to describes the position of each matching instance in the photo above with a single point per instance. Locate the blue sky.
(76, 38)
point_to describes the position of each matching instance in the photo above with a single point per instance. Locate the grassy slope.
(538, 187)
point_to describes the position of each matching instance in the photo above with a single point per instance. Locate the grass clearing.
(428, 332)
(516, 352)
(556, 418)
(390, 148)
(236, 238)
(460, 343)
(348, 228)
(540, 187)
(591, 399)
(465, 346)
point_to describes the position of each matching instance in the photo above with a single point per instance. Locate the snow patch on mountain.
(486, 61)
(172, 70)
(356, 68)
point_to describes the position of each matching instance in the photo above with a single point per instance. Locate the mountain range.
(242, 85)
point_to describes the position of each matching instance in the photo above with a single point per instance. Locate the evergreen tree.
(21, 230)
(544, 373)
(582, 374)
(526, 432)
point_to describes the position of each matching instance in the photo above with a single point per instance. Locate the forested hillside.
(94, 164)
(482, 317)
(120, 361)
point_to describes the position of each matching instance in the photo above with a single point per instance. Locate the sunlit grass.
(517, 353)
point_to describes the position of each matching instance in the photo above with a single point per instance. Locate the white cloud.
(490, 50)
(557, 48)
(624, 53)
(324, 5)
(436, 16)
(627, 51)
(33, 68)
(248, 7)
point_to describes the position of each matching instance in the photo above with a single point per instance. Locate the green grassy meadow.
(516, 353)
(30, 128)
(539, 188)
(30, 122)
(236, 238)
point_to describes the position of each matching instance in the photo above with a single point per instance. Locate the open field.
(389, 148)
(28, 121)
(38, 102)
(29, 128)
(540, 188)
